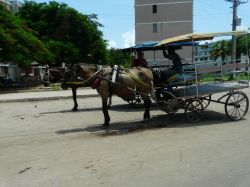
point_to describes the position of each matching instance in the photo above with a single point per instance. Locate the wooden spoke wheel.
(135, 100)
(236, 105)
(194, 111)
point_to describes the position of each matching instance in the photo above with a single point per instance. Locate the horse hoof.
(106, 125)
(74, 109)
(146, 117)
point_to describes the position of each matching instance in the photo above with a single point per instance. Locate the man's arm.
(165, 54)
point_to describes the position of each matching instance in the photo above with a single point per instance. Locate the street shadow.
(155, 123)
(70, 111)
(120, 107)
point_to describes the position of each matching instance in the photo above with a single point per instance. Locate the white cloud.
(128, 38)
(112, 44)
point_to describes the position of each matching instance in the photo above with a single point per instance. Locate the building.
(15, 6)
(6, 4)
(11, 5)
(156, 20)
(202, 53)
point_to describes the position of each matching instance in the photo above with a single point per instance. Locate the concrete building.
(6, 4)
(202, 53)
(15, 6)
(11, 5)
(156, 20)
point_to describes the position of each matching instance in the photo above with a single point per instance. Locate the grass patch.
(55, 87)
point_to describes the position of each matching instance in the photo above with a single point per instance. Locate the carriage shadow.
(155, 123)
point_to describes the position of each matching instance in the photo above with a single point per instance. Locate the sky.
(117, 16)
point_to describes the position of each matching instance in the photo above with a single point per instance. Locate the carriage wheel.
(135, 100)
(236, 105)
(206, 101)
(194, 111)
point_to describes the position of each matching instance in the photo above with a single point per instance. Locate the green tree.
(224, 47)
(58, 25)
(63, 52)
(221, 49)
(118, 57)
(243, 45)
(18, 43)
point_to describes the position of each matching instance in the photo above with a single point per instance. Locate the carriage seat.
(172, 78)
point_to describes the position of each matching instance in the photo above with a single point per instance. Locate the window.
(154, 27)
(154, 9)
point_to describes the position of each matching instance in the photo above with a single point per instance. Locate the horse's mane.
(85, 65)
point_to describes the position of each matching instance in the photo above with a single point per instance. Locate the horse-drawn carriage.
(203, 80)
(191, 90)
(208, 79)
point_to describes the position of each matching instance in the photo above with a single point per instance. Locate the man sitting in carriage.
(172, 55)
(169, 74)
(139, 61)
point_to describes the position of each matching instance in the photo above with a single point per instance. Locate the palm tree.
(220, 49)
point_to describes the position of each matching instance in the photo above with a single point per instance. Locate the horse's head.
(71, 77)
(80, 75)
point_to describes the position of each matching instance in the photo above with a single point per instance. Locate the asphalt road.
(43, 143)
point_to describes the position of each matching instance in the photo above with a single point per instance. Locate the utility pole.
(236, 3)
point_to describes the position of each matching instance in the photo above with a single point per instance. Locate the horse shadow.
(93, 109)
(119, 107)
(155, 123)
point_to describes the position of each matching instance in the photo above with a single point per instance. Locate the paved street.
(43, 143)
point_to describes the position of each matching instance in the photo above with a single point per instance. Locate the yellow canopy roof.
(199, 36)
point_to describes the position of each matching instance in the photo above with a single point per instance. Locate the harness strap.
(133, 90)
(136, 79)
(83, 82)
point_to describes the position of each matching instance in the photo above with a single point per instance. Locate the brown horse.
(124, 84)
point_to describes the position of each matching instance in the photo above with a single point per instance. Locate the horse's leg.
(147, 103)
(105, 112)
(74, 99)
(110, 94)
(110, 101)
